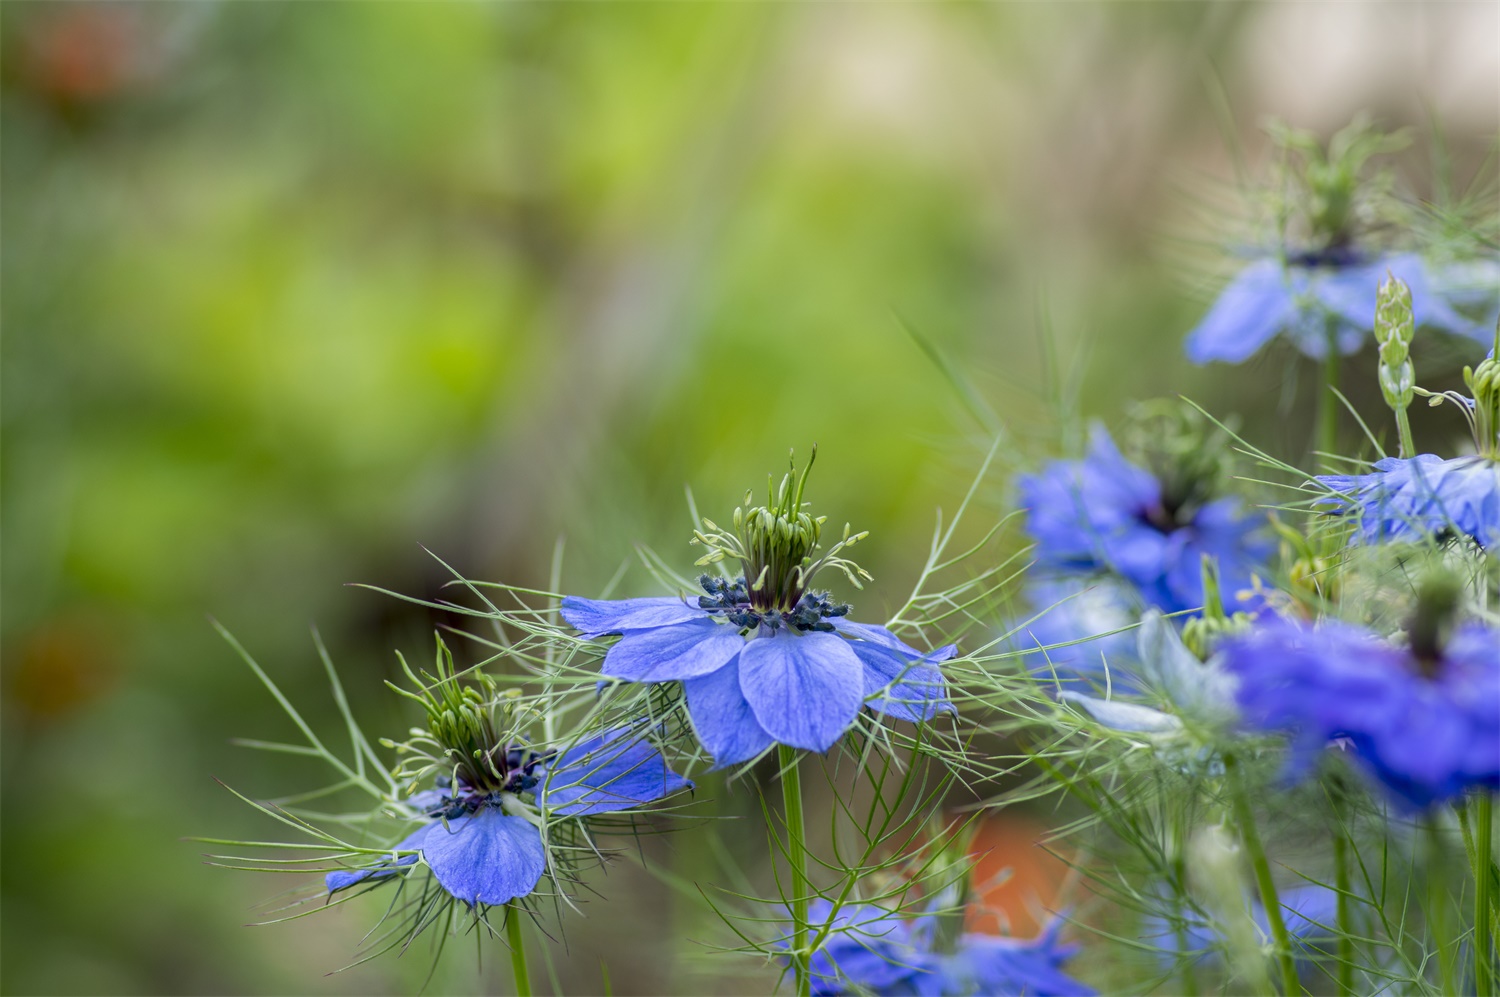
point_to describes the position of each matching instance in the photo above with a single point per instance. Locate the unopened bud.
(1394, 330)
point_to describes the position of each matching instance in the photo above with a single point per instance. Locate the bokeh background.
(291, 290)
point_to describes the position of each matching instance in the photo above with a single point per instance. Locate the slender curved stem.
(1345, 915)
(796, 841)
(1328, 413)
(517, 951)
(1403, 429)
(1437, 906)
(1245, 817)
(1484, 960)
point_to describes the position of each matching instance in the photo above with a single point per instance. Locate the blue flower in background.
(873, 950)
(1309, 298)
(756, 676)
(1472, 286)
(993, 964)
(1105, 514)
(867, 947)
(1071, 637)
(1422, 497)
(1309, 911)
(484, 845)
(1424, 723)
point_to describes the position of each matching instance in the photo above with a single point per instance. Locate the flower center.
(734, 601)
(513, 772)
(774, 544)
(1432, 622)
(471, 740)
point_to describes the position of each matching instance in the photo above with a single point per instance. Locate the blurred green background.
(292, 290)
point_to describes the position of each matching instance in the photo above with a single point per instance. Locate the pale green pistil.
(775, 545)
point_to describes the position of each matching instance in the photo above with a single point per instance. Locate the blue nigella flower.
(483, 843)
(1423, 720)
(1422, 497)
(873, 950)
(762, 658)
(1428, 497)
(1307, 298)
(1104, 514)
(755, 677)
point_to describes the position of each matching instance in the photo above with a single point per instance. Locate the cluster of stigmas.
(521, 771)
(732, 600)
(774, 545)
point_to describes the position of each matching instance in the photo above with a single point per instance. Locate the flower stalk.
(1345, 914)
(1328, 416)
(1245, 817)
(791, 794)
(1484, 959)
(517, 951)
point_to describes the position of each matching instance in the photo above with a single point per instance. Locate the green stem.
(1437, 905)
(1484, 983)
(1328, 413)
(1345, 914)
(1403, 427)
(1245, 816)
(517, 951)
(796, 840)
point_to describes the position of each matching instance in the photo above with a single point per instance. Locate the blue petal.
(680, 651)
(805, 689)
(615, 771)
(725, 723)
(913, 687)
(1255, 306)
(342, 879)
(604, 616)
(1130, 717)
(487, 858)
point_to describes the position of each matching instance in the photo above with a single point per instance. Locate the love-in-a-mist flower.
(763, 658)
(1317, 286)
(1314, 300)
(488, 820)
(1106, 515)
(1426, 496)
(869, 949)
(1422, 717)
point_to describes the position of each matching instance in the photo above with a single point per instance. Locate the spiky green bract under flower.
(774, 544)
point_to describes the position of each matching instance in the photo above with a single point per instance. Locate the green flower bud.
(1394, 330)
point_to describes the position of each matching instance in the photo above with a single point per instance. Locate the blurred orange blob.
(63, 664)
(83, 53)
(1016, 881)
